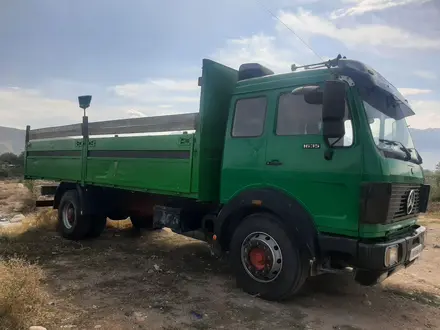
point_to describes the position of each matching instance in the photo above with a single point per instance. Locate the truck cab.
(330, 150)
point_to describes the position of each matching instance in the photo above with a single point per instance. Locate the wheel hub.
(69, 216)
(257, 258)
(261, 257)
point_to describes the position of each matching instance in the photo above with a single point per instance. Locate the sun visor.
(375, 89)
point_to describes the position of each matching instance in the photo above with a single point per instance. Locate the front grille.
(397, 209)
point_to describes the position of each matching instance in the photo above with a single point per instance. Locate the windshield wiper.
(419, 158)
(397, 143)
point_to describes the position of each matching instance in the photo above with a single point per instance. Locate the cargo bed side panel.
(148, 163)
(54, 160)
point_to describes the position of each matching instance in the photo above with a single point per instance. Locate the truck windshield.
(391, 135)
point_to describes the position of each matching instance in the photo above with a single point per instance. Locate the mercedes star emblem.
(410, 201)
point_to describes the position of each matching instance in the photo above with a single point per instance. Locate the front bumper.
(370, 256)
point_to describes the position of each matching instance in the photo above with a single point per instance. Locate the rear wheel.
(72, 224)
(265, 259)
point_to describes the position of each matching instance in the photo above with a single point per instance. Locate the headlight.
(391, 255)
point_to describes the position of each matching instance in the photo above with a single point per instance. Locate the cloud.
(427, 114)
(413, 91)
(361, 7)
(20, 107)
(258, 48)
(276, 50)
(358, 36)
(135, 113)
(159, 91)
(425, 74)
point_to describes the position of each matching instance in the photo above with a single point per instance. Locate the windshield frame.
(391, 148)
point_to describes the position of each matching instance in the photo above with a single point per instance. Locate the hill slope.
(11, 140)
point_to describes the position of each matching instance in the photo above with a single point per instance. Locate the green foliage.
(11, 165)
(433, 178)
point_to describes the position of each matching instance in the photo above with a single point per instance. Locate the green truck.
(292, 175)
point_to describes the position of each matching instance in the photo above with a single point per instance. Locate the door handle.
(274, 162)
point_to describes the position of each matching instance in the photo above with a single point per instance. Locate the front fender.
(297, 220)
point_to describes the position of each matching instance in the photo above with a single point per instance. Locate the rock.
(367, 302)
(17, 218)
(98, 326)
(20, 185)
(150, 271)
(198, 316)
(37, 327)
(139, 317)
(156, 267)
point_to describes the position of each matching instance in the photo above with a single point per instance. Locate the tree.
(437, 175)
(11, 165)
(9, 158)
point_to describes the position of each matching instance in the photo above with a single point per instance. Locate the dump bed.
(186, 164)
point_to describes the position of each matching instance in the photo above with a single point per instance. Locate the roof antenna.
(329, 64)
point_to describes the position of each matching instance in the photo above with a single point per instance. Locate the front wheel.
(265, 259)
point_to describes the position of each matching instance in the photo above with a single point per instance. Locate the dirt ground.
(159, 280)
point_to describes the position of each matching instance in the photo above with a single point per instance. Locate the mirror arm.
(328, 153)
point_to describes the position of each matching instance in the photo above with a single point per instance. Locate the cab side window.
(297, 117)
(249, 117)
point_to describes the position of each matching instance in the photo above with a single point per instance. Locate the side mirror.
(312, 94)
(333, 109)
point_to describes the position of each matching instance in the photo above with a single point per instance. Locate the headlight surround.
(391, 257)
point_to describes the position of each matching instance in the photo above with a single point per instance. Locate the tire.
(287, 273)
(97, 225)
(71, 223)
(140, 222)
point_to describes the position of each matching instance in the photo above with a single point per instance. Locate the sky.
(140, 58)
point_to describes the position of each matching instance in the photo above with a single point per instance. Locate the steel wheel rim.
(69, 215)
(261, 257)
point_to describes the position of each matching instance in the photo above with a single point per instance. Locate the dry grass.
(434, 208)
(16, 197)
(42, 221)
(119, 225)
(22, 299)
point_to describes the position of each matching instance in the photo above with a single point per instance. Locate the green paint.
(220, 166)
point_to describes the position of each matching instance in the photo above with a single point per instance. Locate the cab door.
(296, 162)
(245, 145)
